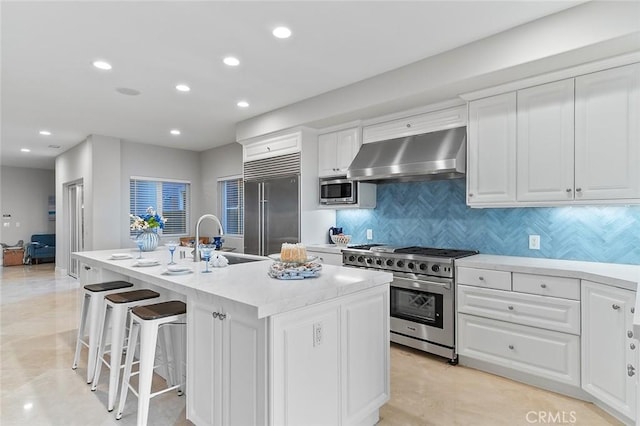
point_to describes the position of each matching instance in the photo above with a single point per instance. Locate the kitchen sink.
(234, 260)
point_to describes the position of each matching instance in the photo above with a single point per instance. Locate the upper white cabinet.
(271, 146)
(572, 141)
(336, 150)
(608, 134)
(415, 124)
(609, 348)
(545, 142)
(492, 150)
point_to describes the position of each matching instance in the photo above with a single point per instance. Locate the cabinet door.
(608, 134)
(327, 154)
(347, 147)
(492, 150)
(607, 349)
(545, 142)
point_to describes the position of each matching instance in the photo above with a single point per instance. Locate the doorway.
(75, 224)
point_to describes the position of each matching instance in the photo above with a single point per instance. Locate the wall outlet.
(317, 334)
(534, 242)
(369, 234)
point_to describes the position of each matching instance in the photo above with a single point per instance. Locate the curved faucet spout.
(196, 251)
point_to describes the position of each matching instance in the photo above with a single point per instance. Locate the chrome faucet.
(196, 251)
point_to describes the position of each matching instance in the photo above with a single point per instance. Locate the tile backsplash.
(435, 214)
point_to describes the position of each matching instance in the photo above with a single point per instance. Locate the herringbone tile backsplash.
(434, 214)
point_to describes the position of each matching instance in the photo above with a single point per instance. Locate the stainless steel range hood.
(428, 156)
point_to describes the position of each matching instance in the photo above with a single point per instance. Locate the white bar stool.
(93, 305)
(146, 321)
(117, 305)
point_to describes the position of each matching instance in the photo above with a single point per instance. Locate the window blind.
(169, 198)
(232, 206)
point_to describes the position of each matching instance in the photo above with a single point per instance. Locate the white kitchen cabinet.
(491, 176)
(545, 142)
(543, 353)
(336, 150)
(234, 337)
(326, 258)
(273, 146)
(343, 347)
(607, 135)
(433, 121)
(609, 349)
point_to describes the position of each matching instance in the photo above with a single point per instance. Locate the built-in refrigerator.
(272, 214)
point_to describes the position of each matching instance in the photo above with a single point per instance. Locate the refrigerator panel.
(281, 213)
(252, 217)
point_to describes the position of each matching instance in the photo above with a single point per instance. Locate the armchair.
(42, 246)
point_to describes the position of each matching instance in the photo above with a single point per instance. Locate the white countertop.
(246, 283)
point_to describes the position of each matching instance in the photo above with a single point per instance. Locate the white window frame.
(221, 203)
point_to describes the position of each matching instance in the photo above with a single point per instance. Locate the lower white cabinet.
(544, 353)
(609, 349)
(327, 258)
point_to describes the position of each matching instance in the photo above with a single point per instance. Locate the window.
(169, 198)
(232, 205)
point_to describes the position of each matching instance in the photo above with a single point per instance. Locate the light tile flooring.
(38, 320)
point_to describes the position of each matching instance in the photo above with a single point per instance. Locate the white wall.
(216, 163)
(25, 196)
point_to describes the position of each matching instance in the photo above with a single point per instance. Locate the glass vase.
(149, 240)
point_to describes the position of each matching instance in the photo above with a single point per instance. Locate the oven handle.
(418, 284)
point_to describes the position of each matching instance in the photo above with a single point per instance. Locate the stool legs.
(128, 363)
(83, 320)
(148, 339)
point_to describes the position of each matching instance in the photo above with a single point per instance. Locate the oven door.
(423, 309)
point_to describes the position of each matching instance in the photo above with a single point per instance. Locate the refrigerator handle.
(261, 228)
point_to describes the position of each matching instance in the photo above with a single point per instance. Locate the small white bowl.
(341, 240)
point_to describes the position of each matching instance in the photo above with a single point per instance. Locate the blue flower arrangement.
(150, 220)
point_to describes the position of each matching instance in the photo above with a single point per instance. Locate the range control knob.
(435, 268)
(423, 266)
(389, 262)
(400, 263)
(352, 258)
(360, 259)
(378, 261)
(410, 265)
(369, 260)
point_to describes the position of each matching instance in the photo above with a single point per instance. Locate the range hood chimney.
(428, 156)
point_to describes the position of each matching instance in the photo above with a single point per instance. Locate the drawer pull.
(511, 347)
(510, 307)
(543, 285)
(633, 310)
(629, 334)
(630, 370)
(632, 346)
(616, 307)
(87, 268)
(568, 189)
(481, 278)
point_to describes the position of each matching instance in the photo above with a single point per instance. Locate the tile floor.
(38, 320)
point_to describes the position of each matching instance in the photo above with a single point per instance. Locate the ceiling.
(48, 81)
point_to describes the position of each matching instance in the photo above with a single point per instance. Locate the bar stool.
(146, 321)
(93, 305)
(117, 305)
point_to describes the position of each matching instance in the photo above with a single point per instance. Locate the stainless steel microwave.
(338, 191)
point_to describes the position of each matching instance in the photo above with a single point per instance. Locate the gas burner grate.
(364, 246)
(436, 252)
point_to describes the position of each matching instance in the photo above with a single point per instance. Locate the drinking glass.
(171, 245)
(205, 253)
(140, 244)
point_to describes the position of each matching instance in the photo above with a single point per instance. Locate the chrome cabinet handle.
(543, 285)
(219, 315)
(632, 346)
(568, 189)
(408, 125)
(510, 307)
(481, 278)
(633, 310)
(511, 347)
(630, 370)
(87, 268)
(615, 306)
(470, 195)
(629, 334)
(578, 189)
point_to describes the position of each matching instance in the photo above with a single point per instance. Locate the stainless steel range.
(422, 292)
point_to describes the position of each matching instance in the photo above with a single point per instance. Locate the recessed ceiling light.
(127, 91)
(25, 150)
(45, 133)
(231, 61)
(243, 104)
(282, 32)
(102, 65)
(175, 132)
(183, 88)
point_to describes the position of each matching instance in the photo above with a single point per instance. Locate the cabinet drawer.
(500, 280)
(544, 353)
(416, 124)
(546, 312)
(545, 285)
(271, 147)
(327, 258)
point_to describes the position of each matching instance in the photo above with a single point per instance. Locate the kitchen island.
(266, 351)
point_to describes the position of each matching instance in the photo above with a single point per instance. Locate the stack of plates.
(147, 262)
(178, 270)
(120, 256)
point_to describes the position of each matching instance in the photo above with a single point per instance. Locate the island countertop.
(246, 283)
